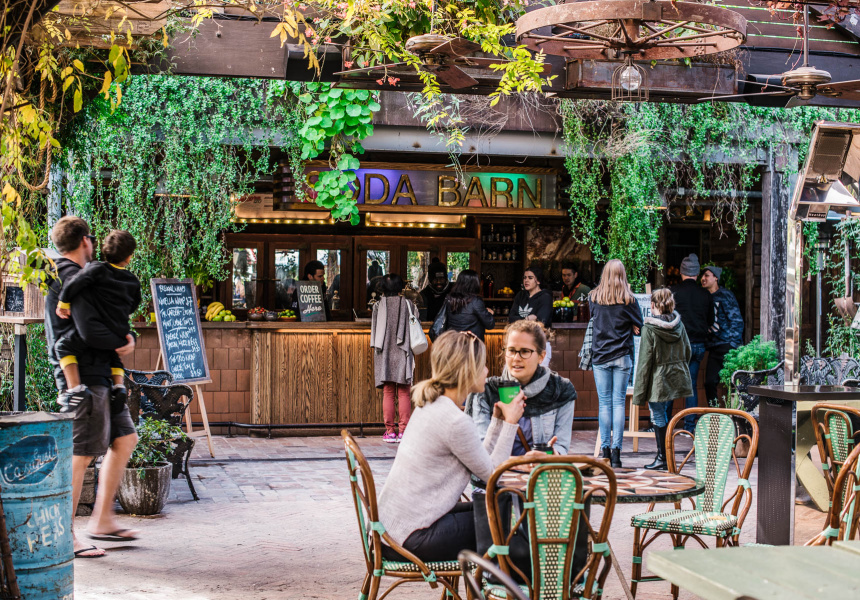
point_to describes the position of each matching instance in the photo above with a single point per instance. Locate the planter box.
(145, 495)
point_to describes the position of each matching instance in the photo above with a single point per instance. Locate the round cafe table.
(635, 485)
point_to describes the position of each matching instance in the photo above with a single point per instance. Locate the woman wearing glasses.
(419, 503)
(548, 415)
(616, 318)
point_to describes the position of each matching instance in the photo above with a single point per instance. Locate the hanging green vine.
(175, 153)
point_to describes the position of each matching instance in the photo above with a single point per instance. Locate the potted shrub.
(145, 485)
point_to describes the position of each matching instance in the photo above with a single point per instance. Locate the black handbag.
(518, 548)
(438, 327)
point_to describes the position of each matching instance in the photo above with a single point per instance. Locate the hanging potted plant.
(145, 485)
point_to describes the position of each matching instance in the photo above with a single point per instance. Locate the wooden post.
(19, 385)
(205, 418)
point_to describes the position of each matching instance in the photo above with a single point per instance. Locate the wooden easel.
(198, 390)
(632, 430)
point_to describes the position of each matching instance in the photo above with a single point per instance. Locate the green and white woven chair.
(835, 436)
(373, 533)
(843, 517)
(714, 444)
(553, 500)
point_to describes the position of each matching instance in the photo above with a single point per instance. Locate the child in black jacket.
(117, 295)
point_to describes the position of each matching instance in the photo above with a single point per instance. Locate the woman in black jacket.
(464, 308)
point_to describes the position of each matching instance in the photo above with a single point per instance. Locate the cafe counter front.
(320, 373)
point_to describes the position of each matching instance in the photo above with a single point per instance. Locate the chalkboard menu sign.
(644, 302)
(14, 299)
(179, 330)
(311, 301)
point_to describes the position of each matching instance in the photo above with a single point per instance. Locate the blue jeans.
(695, 363)
(611, 380)
(659, 414)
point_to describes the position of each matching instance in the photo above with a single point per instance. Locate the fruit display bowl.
(255, 317)
(286, 319)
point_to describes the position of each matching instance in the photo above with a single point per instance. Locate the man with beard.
(437, 288)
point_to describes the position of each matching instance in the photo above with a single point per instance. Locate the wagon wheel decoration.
(632, 29)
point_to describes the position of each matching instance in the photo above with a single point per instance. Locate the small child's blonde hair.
(663, 300)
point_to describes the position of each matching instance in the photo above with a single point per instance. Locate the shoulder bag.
(417, 339)
(440, 322)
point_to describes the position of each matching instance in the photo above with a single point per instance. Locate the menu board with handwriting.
(179, 330)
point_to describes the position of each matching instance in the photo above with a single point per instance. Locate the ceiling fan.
(444, 56)
(802, 83)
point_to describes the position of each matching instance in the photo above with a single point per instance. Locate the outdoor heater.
(826, 190)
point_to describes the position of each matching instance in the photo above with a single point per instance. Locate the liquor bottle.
(489, 284)
(514, 254)
(514, 236)
(492, 235)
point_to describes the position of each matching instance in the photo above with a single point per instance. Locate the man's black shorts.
(95, 428)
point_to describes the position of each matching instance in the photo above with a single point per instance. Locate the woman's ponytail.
(425, 392)
(456, 361)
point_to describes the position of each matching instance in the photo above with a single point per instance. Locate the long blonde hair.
(456, 361)
(613, 287)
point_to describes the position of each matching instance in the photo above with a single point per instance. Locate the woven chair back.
(552, 504)
(363, 492)
(843, 517)
(715, 441)
(471, 563)
(834, 436)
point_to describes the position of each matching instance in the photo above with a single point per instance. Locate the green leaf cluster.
(338, 119)
(754, 356)
(154, 444)
(168, 164)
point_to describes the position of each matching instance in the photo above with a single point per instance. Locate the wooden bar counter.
(290, 372)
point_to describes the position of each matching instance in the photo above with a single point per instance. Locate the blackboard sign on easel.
(181, 338)
(311, 301)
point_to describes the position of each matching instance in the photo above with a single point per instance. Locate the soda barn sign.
(484, 190)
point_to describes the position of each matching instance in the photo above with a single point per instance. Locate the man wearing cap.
(727, 331)
(437, 288)
(696, 307)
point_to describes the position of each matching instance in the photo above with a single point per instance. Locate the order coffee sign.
(311, 301)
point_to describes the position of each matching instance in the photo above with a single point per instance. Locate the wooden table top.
(634, 485)
(763, 572)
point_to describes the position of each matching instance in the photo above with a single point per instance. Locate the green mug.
(508, 390)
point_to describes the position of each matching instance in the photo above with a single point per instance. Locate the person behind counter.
(550, 398)
(573, 287)
(314, 271)
(393, 361)
(616, 318)
(465, 310)
(437, 288)
(533, 304)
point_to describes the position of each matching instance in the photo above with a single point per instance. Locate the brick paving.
(275, 521)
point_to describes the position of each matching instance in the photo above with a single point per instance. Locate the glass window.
(286, 274)
(416, 269)
(457, 261)
(244, 277)
(331, 260)
(378, 263)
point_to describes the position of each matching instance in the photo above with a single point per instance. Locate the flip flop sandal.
(80, 553)
(113, 536)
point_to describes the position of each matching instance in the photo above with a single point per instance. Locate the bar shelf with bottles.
(501, 263)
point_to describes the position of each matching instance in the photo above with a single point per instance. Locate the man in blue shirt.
(725, 334)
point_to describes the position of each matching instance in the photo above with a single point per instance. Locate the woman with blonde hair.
(419, 503)
(615, 319)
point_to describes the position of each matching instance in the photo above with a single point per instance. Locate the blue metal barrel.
(36, 488)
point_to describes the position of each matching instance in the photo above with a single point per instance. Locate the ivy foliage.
(167, 164)
(340, 119)
(625, 159)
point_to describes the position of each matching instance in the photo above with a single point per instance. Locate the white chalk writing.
(45, 527)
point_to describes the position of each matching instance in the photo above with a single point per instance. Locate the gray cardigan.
(440, 448)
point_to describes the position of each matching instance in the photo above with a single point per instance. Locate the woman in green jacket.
(662, 371)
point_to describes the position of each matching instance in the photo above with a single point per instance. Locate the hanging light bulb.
(631, 79)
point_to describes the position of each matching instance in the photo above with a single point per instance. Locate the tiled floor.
(275, 521)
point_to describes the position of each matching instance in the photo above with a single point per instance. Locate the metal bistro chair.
(373, 534)
(835, 436)
(153, 394)
(471, 562)
(742, 380)
(714, 446)
(552, 506)
(843, 517)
